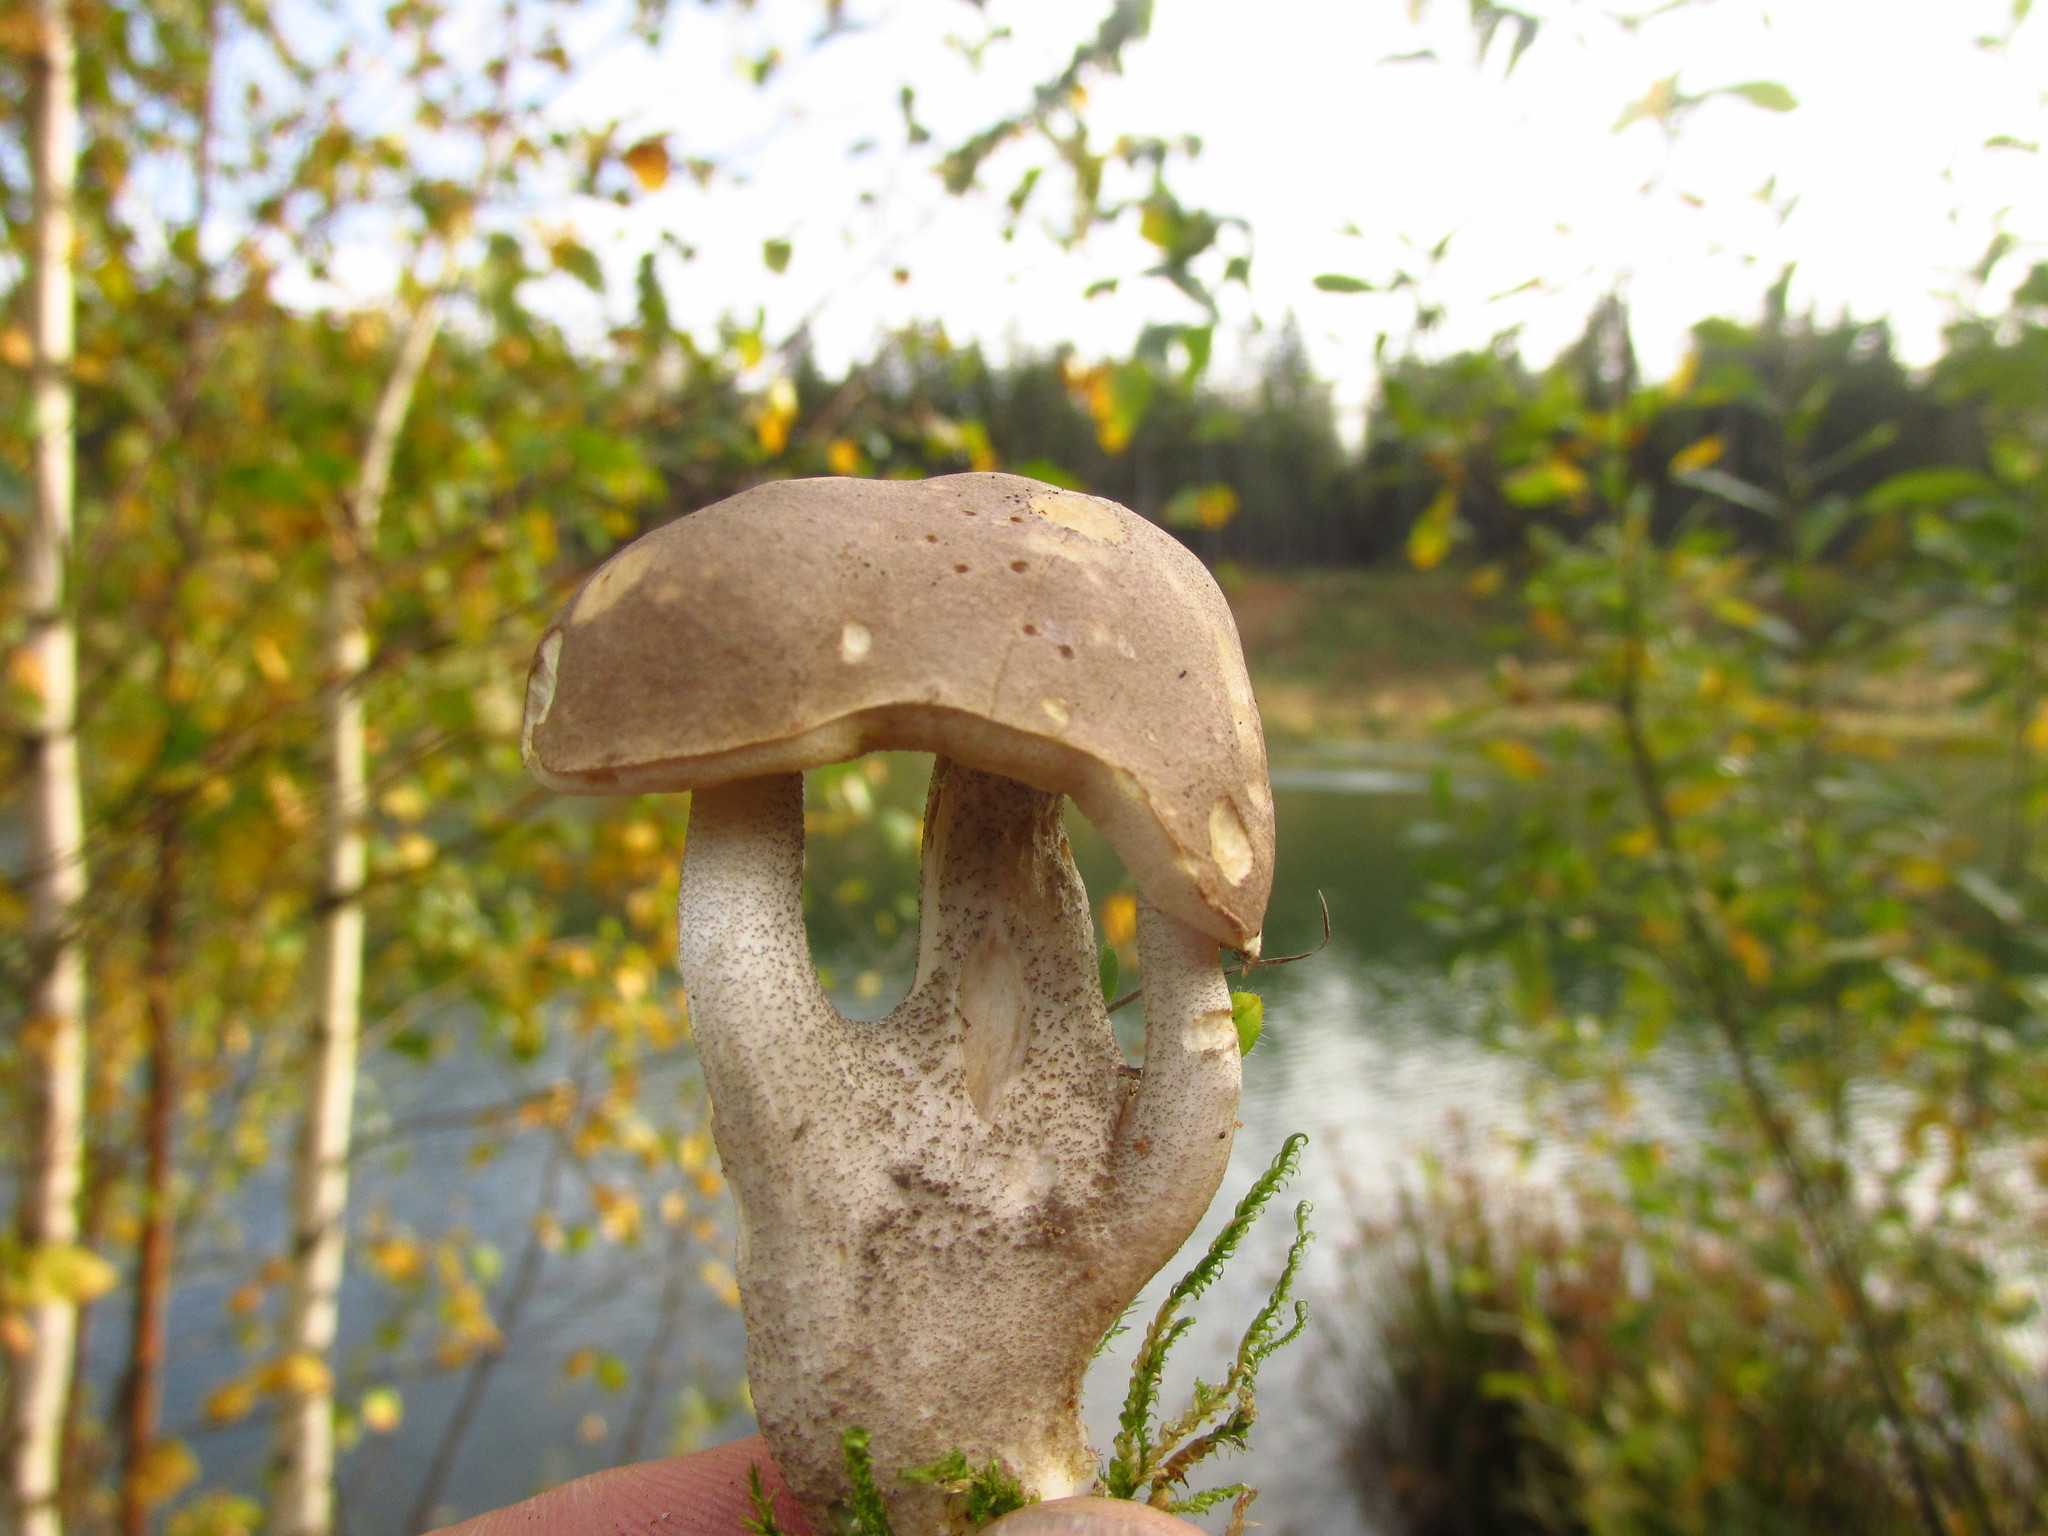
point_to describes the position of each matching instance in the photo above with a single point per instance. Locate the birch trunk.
(55, 1036)
(302, 1500)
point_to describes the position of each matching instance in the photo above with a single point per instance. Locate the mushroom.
(941, 1212)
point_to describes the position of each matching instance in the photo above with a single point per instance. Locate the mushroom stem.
(940, 1212)
(1174, 1144)
(746, 966)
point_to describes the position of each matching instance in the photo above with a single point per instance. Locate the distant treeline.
(1259, 472)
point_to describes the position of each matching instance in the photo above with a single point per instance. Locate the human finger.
(705, 1494)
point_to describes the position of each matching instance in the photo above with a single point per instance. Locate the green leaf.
(1248, 1013)
(1051, 474)
(575, 258)
(1718, 482)
(1930, 488)
(1768, 94)
(1110, 971)
(775, 255)
(1343, 282)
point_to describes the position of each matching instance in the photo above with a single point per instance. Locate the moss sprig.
(863, 1514)
(990, 1492)
(763, 1522)
(1152, 1459)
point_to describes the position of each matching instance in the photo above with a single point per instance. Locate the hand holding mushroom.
(940, 1212)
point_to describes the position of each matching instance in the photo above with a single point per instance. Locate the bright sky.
(1885, 192)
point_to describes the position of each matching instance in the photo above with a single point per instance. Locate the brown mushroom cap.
(1025, 630)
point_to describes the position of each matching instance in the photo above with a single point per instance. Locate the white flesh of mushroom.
(941, 1212)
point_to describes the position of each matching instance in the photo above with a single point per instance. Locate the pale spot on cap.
(540, 689)
(854, 643)
(614, 579)
(1055, 710)
(1085, 515)
(1229, 845)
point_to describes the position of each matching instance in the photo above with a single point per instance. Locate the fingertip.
(703, 1494)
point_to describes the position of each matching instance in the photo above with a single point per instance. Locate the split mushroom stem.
(942, 1211)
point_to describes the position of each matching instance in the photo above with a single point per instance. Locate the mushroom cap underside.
(1052, 637)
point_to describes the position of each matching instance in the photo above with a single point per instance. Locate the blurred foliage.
(1774, 931)
(518, 941)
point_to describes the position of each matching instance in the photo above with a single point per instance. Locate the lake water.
(1368, 1048)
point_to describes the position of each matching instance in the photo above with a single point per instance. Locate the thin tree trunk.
(141, 1406)
(302, 1502)
(85, 1449)
(674, 1290)
(55, 1035)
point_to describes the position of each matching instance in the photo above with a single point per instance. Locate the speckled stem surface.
(942, 1211)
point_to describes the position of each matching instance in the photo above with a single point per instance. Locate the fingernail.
(1091, 1517)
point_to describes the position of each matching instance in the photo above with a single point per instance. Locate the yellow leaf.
(1636, 844)
(1120, 919)
(25, 671)
(648, 161)
(65, 1272)
(1551, 625)
(709, 1183)
(300, 1374)
(15, 350)
(2037, 729)
(778, 413)
(719, 1281)
(1707, 450)
(162, 1470)
(1486, 581)
(1680, 384)
(216, 1514)
(1751, 955)
(231, 1400)
(1922, 876)
(1691, 799)
(540, 533)
(1215, 506)
(383, 1410)
(1430, 539)
(843, 456)
(404, 802)
(286, 803)
(269, 659)
(397, 1259)
(246, 1301)
(1517, 758)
